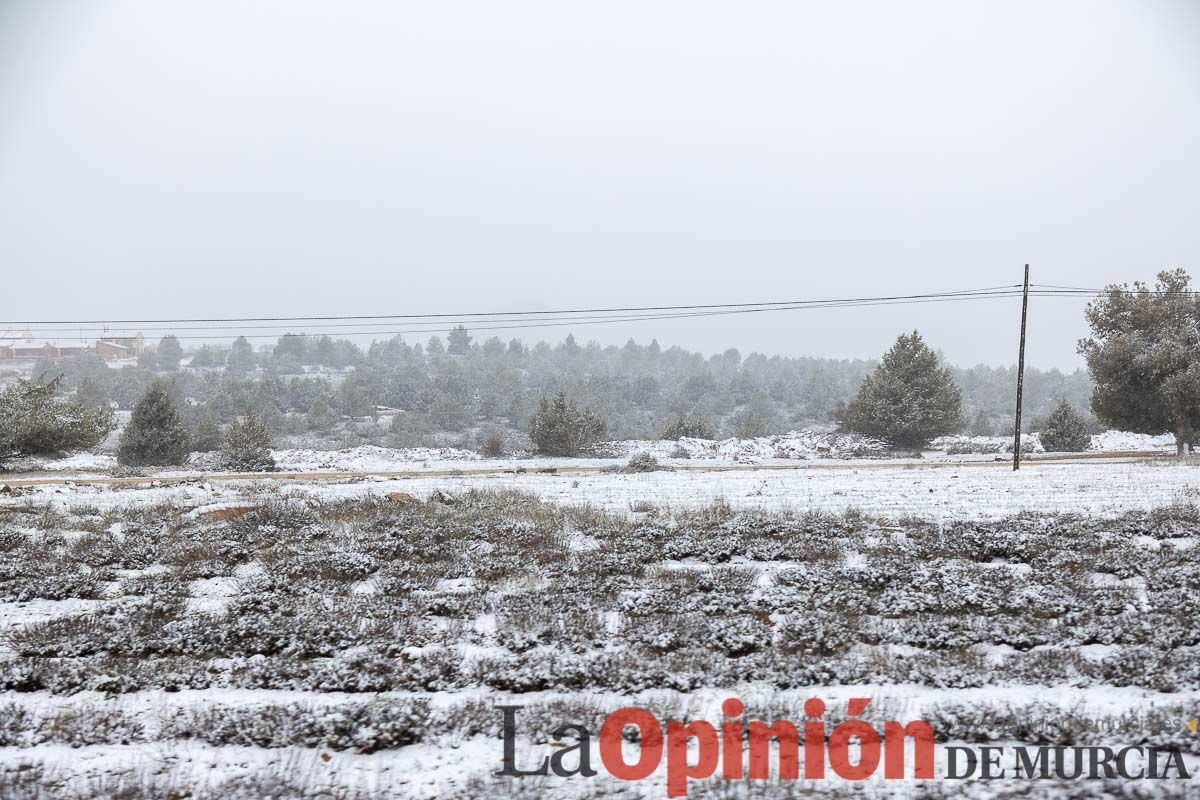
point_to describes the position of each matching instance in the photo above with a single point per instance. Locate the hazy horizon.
(162, 160)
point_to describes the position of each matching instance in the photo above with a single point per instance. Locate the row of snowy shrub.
(374, 595)
(392, 722)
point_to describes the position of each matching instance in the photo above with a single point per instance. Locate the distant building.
(23, 345)
(109, 350)
(134, 345)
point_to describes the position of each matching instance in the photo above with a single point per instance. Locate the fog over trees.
(325, 392)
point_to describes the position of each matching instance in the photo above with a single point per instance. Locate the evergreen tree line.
(442, 392)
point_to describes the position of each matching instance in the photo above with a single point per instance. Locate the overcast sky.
(302, 158)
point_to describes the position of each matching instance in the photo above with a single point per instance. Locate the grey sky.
(302, 157)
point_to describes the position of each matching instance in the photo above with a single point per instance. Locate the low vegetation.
(34, 422)
(329, 596)
(247, 446)
(561, 428)
(391, 599)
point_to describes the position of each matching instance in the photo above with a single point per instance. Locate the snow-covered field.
(805, 445)
(353, 637)
(939, 492)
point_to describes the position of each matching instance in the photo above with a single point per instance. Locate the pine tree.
(459, 341)
(204, 431)
(169, 353)
(292, 345)
(155, 435)
(241, 356)
(320, 416)
(1065, 430)
(908, 399)
(690, 426)
(560, 428)
(202, 357)
(248, 446)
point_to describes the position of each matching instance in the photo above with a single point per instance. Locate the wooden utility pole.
(1021, 373)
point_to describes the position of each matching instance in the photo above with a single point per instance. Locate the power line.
(974, 294)
(606, 320)
(1085, 291)
(364, 325)
(466, 315)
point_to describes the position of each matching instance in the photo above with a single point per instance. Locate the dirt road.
(1026, 461)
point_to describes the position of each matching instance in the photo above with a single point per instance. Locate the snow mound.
(1116, 441)
(85, 462)
(957, 444)
(1107, 442)
(802, 445)
(367, 458)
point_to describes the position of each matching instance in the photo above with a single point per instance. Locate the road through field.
(568, 469)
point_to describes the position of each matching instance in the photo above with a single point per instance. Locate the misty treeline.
(324, 392)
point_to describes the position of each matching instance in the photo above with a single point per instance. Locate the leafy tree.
(909, 399)
(33, 421)
(560, 428)
(155, 435)
(169, 353)
(1065, 430)
(1144, 356)
(248, 446)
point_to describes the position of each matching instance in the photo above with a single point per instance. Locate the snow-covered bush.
(363, 727)
(247, 446)
(1065, 430)
(560, 428)
(33, 421)
(689, 426)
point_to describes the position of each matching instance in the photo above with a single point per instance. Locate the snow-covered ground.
(983, 490)
(459, 767)
(805, 445)
(71, 719)
(255, 658)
